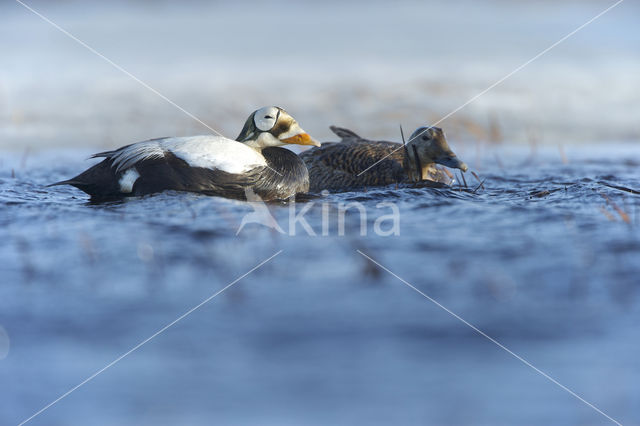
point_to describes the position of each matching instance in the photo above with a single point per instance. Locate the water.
(319, 334)
(545, 257)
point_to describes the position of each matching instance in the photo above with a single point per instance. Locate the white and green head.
(273, 126)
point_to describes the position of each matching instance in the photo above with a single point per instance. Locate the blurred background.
(369, 66)
(541, 251)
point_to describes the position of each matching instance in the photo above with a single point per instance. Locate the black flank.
(285, 176)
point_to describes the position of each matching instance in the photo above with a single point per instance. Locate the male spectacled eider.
(208, 164)
(355, 162)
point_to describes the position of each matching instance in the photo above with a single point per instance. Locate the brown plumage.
(342, 166)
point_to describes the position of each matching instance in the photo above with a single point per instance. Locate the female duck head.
(273, 126)
(428, 145)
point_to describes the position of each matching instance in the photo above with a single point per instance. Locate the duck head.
(273, 126)
(427, 145)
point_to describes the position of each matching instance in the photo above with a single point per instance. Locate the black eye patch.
(280, 128)
(268, 117)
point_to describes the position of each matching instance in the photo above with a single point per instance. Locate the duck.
(356, 162)
(207, 164)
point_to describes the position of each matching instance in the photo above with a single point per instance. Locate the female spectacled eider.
(208, 164)
(355, 162)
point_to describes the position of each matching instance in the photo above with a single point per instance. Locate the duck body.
(356, 163)
(337, 166)
(212, 165)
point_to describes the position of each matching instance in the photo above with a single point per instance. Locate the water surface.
(545, 259)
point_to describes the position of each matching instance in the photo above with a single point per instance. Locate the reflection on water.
(4, 343)
(544, 259)
(544, 256)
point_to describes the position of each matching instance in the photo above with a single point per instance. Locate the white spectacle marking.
(492, 340)
(128, 179)
(147, 340)
(209, 151)
(265, 118)
(503, 78)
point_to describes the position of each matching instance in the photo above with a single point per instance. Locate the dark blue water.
(545, 259)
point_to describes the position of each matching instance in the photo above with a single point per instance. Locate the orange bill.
(301, 139)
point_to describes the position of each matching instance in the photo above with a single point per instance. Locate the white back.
(208, 151)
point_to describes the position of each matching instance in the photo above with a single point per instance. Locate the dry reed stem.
(478, 187)
(607, 214)
(623, 215)
(477, 178)
(563, 156)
